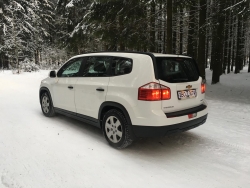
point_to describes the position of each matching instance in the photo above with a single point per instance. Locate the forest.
(45, 33)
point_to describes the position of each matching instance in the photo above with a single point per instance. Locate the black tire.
(49, 111)
(126, 139)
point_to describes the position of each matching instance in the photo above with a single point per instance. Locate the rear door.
(92, 85)
(181, 75)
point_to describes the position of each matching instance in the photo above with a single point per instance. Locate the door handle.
(70, 87)
(99, 89)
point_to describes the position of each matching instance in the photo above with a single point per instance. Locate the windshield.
(175, 70)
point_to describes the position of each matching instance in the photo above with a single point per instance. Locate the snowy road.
(40, 152)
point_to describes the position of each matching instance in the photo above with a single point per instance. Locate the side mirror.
(52, 74)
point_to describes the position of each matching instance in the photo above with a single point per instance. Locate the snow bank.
(28, 66)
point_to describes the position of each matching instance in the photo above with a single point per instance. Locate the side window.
(121, 66)
(97, 66)
(70, 69)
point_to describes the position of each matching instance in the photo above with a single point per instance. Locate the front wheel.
(115, 129)
(47, 105)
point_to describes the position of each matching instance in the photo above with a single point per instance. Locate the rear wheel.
(47, 105)
(115, 129)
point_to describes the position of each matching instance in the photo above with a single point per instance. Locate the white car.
(128, 95)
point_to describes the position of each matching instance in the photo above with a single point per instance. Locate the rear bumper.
(160, 131)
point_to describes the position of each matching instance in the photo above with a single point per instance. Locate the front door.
(64, 88)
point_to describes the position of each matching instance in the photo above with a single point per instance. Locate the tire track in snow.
(221, 142)
(218, 151)
(184, 139)
(232, 120)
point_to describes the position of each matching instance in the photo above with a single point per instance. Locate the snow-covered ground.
(40, 152)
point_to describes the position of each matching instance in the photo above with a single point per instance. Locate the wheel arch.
(106, 106)
(43, 90)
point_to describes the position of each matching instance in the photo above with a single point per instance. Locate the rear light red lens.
(149, 94)
(165, 94)
(203, 88)
(154, 92)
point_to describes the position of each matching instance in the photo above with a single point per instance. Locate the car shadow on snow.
(71, 123)
(172, 145)
(186, 143)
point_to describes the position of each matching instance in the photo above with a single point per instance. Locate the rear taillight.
(165, 93)
(154, 92)
(203, 87)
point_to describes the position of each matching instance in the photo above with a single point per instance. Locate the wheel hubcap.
(113, 129)
(45, 104)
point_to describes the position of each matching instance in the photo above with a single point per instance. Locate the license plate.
(186, 94)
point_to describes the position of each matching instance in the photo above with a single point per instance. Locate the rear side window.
(102, 66)
(97, 66)
(121, 66)
(175, 70)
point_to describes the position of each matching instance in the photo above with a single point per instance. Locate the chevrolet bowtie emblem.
(189, 86)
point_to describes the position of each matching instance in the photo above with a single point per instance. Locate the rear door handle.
(70, 87)
(99, 89)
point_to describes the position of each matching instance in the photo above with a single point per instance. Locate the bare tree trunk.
(16, 47)
(169, 27)
(247, 35)
(230, 33)
(17, 62)
(164, 27)
(159, 26)
(233, 42)
(242, 42)
(175, 28)
(238, 58)
(36, 53)
(202, 39)
(217, 50)
(181, 30)
(190, 47)
(152, 25)
(1, 58)
(207, 55)
(225, 48)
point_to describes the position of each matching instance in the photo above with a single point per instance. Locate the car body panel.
(87, 98)
(64, 97)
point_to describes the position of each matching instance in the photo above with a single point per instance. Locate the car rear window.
(175, 70)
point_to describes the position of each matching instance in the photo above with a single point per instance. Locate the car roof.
(169, 55)
(132, 54)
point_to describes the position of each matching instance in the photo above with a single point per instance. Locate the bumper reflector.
(192, 115)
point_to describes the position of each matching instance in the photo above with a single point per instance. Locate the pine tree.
(24, 27)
